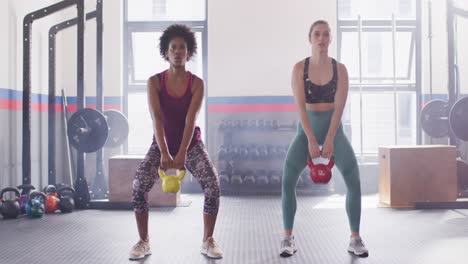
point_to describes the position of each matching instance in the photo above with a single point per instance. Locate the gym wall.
(11, 92)
(252, 48)
(253, 45)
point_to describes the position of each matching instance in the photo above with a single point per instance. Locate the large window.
(378, 42)
(145, 22)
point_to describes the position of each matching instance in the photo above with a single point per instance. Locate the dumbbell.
(272, 152)
(262, 177)
(253, 152)
(236, 177)
(262, 152)
(222, 124)
(237, 124)
(229, 124)
(243, 152)
(245, 124)
(229, 152)
(275, 177)
(261, 124)
(274, 124)
(294, 125)
(233, 152)
(249, 177)
(268, 125)
(253, 124)
(224, 177)
(222, 153)
(229, 167)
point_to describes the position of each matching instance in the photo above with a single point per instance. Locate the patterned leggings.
(198, 163)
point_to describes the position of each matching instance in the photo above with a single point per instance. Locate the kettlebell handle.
(26, 188)
(330, 164)
(50, 189)
(179, 176)
(35, 194)
(10, 189)
(64, 189)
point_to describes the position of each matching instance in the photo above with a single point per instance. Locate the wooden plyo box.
(422, 173)
(121, 174)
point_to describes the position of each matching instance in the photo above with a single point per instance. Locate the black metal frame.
(52, 89)
(27, 38)
(99, 186)
(452, 12)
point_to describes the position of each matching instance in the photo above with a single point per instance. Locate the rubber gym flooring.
(249, 230)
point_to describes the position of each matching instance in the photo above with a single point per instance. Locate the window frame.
(130, 85)
(355, 86)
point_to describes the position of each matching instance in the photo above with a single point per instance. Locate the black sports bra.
(319, 93)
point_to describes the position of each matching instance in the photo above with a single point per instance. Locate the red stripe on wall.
(44, 107)
(11, 104)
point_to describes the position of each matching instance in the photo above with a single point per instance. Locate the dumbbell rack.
(250, 157)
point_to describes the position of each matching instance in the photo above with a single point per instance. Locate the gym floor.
(246, 234)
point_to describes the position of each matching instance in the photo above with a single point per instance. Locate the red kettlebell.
(51, 199)
(319, 172)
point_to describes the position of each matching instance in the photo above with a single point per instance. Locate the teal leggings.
(345, 161)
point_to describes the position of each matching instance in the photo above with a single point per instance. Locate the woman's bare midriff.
(320, 107)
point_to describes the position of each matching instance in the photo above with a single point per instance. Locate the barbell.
(89, 130)
(438, 118)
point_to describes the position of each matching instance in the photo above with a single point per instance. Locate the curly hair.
(177, 30)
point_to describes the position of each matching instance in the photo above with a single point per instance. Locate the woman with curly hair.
(175, 97)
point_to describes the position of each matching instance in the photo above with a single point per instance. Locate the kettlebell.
(320, 172)
(36, 204)
(171, 183)
(66, 201)
(10, 208)
(51, 199)
(25, 191)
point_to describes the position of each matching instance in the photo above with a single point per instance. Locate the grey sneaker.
(140, 250)
(288, 247)
(357, 247)
(211, 249)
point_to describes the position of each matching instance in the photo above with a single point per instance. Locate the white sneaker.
(140, 250)
(211, 249)
(288, 247)
(357, 247)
